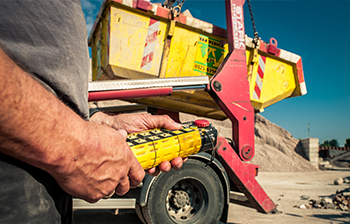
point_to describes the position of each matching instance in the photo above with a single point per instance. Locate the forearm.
(88, 160)
(35, 126)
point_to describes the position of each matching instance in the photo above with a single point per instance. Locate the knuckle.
(121, 173)
(95, 198)
(141, 176)
(165, 117)
(109, 189)
(122, 188)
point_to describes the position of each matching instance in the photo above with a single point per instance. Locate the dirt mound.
(275, 148)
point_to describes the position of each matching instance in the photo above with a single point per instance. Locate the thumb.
(123, 133)
(172, 125)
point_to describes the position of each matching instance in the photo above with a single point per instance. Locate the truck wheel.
(193, 194)
(139, 214)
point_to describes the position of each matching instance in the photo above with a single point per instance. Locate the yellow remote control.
(155, 146)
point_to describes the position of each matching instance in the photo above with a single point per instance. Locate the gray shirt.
(48, 39)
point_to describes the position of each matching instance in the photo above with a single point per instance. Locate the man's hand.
(133, 123)
(105, 165)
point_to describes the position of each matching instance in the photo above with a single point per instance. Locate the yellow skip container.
(137, 40)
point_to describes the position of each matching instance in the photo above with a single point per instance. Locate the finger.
(169, 123)
(109, 195)
(151, 170)
(136, 173)
(154, 171)
(123, 186)
(123, 133)
(159, 121)
(134, 183)
(165, 166)
(176, 163)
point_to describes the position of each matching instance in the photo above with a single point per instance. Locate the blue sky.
(318, 31)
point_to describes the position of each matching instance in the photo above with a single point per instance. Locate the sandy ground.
(285, 189)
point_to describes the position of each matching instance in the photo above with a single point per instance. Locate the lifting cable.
(256, 36)
(256, 42)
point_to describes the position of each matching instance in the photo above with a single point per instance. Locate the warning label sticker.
(209, 55)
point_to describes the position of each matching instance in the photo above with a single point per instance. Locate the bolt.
(217, 86)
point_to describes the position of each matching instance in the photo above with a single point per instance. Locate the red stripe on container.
(300, 71)
(260, 72)
(147, 59)
(257, 90)
(152, 21)
(151, 38)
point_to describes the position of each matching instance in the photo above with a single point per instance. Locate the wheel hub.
(180, 199)
(185, 200)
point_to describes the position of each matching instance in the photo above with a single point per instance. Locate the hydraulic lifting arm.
(230, 89)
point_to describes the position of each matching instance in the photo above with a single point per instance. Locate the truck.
(169, 62)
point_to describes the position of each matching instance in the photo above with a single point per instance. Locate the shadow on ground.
(105, 217)
(338, 218)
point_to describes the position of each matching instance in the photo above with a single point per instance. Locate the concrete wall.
(310, 146)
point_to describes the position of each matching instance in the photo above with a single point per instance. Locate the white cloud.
(90, 9)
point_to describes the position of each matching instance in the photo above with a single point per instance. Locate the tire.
(139, 214)
(193, 194)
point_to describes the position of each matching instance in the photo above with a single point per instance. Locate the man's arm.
(88, 160)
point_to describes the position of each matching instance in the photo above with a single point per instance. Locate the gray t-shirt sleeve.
(49, 40)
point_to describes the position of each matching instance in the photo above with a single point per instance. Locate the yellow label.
(209, 55)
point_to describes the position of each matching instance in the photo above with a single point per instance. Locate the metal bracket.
(272, 48)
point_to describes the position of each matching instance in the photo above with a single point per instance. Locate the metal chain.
(180, 3)
(176, 10)
(168, 3)
(256, 36)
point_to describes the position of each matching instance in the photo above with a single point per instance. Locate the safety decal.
(259, 78)
(150, 44)
(209, 55)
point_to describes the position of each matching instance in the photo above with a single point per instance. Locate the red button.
(201, 123)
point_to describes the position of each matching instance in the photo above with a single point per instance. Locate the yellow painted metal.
(156, 146)
(119, 46)
(279, 83)
(123, 45)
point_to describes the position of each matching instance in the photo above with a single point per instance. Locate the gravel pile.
(276, 150)
(339, 201)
